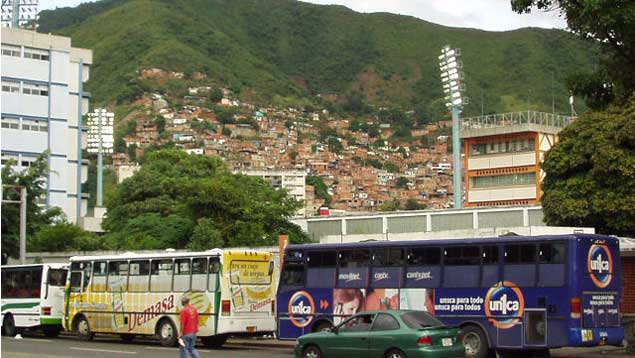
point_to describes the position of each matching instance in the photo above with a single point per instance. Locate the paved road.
(105, 347)
(67, 347)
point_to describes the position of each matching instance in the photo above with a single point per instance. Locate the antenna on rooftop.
(20, 13)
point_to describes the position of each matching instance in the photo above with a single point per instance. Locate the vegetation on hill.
(280, 50)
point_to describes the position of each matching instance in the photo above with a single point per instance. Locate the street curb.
(261, 343)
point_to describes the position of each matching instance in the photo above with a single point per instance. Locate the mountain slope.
(287, 48)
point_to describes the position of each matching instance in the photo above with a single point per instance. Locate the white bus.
(140, 294)
(33, 298)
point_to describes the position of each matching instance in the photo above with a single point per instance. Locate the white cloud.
(491, 15)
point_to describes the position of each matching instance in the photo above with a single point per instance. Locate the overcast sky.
(491, 15)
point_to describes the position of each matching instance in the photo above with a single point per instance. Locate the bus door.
(52, 308)
(600, 284)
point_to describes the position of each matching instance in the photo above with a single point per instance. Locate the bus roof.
(439, 242)
(163, 255)
(50, 264)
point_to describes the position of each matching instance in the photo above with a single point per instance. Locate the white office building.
(294, 181)
(42, 104)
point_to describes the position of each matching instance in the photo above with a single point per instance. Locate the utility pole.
(22, 203)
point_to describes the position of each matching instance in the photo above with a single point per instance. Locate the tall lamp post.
(452, 79)
(100, 141)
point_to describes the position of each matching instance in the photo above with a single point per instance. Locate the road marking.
(171, 349)
(29, 339)
(102, 350)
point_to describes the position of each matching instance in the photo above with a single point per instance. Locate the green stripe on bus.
(48, 320)
(20, 305)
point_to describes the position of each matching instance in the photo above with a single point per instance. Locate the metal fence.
(506, 119)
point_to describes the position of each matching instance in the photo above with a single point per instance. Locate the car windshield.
(419, 319)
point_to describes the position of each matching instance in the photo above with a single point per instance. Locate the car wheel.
(214, 341)
(395, 353)
(311, 352)
(83, 329)
(475, 342)
(167, 333)
(8, 326)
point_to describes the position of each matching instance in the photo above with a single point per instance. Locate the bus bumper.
(591, 337)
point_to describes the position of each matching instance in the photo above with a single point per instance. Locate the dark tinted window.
(419, 319)
(56, 277)
(552, 253)
(424, 256)
(321, 258)
(292, 274)
(23, 282)
(385, 322)
(354, 258)
(76, 281)
(462, 255)
(520, 254)
(490, 255)
(388, 257)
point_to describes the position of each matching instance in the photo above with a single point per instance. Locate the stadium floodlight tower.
(100, 141)
(452, 79)
(19, 13)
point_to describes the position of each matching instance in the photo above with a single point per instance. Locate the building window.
(26, 162)
(10, 50)
(514, 146)
(10, 86)
(6, 158)
(33, 89)
(36, 54)
(496, 181)
(10, 123)
(34, 125)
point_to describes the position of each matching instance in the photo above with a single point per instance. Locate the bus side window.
(489, 268)
(76, 281)
(520, 264)
(161, 275)
(139, 276)
(87, 273)
(181, 275)
(292, 274)
(117, 276)
(199, 274)
(551, 268)
(354, 258)
(9, 283)
(36, 282)
(100, 272)
(214, 268)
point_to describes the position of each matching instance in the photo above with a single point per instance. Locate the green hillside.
(271, 49)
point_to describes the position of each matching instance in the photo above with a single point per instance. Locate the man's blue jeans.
(189, 350)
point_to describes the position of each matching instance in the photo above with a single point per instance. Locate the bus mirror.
(270, 268)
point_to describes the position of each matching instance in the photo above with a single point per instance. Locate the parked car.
(384, 334)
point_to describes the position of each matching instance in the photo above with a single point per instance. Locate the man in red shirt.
(189, 327)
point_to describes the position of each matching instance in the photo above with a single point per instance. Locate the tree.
(33, 178)
(402, 182)
(590, 171)
(392, 205)
(131, 127)
(175, 199)
(132, 152)
(215, 95)
(321, 190)
(159, 121)
(64, 236)
(412, 204)
(206, 236)
(609, 24)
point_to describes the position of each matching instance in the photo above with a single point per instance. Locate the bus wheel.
(127, 337)
(475, 342)
(214, 341)
(167, 333)
(83, 329)
(8, 326)
(51, 332)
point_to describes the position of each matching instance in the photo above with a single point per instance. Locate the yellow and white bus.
(140, 294)
(33, 298)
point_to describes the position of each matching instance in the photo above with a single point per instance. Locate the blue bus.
(514, 295)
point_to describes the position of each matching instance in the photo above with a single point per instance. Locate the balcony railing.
(514, 118)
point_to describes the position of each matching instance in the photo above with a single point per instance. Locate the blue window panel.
(386, 277)
(423, 276)
(490, 275)
(320, 277)
(551, 275)
(521, 275)
(352, 277)
(461, 276)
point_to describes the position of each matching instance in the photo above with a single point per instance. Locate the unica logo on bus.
(301, 309)
(504, 304)
(600, 265)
